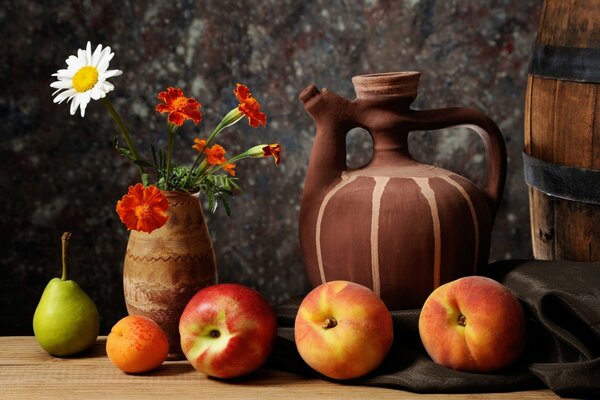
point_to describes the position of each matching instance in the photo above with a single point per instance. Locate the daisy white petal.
(83, 101)
(63, 73)
(64, 95)
(74, 105)
(64, 77)
(97, 93)
(72, 61)
(88, 54)
(96, 56)
(103, 64)
(70, 93)
(55, 93)
(65, 84)
(112, 72)
(107, 86)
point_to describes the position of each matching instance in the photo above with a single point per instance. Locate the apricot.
(137, 344)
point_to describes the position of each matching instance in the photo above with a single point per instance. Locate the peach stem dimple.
(462, 320)
(215, 334)
(330, 323)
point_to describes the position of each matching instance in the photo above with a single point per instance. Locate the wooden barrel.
(562, 132)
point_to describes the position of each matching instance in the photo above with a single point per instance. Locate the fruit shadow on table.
(562, 304)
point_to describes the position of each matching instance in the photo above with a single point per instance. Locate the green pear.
(66, 320)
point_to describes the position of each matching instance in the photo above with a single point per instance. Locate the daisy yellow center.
(85, 79)
(142, 211)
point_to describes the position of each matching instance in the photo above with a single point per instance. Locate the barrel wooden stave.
(562, 126)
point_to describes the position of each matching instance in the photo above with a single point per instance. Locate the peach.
(343, 330)
(137, 344)
(473, 324)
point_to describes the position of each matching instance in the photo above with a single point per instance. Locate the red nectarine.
(227, 330)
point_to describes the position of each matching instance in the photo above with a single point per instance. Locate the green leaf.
(122, 150)
(153, 150)
(225, 205)
(162, 161)
(212, 202)
(143, 163)
(125, 152)
(145, 179)
(234, 184)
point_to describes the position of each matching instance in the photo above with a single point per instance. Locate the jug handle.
(489, 132)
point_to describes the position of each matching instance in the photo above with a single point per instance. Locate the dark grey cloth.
(562, 303)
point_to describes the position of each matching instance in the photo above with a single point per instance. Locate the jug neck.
(385, 98)
(391, 149)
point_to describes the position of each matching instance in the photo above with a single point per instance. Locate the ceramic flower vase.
(398, 226)
(165, 268)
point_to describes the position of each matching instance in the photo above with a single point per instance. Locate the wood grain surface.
(28, 372)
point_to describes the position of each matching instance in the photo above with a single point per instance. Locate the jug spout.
(308, 93)
(332, 116)
(324, 105)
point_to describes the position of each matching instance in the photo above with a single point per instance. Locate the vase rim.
(388, 75)
(175, 193)
(387, 85)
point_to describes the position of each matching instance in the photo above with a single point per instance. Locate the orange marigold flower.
(215, 155)
(249, 106)
(143, 208)
(273, 150)
(199, 144)
(179, 107)
(230, 168)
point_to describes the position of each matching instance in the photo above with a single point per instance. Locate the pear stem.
(65, 241)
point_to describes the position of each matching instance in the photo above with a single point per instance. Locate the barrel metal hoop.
(565, 63)
(562, 181)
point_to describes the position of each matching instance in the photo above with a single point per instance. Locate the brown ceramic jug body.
(396, 225)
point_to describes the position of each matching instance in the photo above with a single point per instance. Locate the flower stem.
(122, 128)
(65, 241)
(229, 119)
(172, 129)
(187, 179)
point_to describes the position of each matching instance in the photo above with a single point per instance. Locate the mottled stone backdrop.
(60, 172)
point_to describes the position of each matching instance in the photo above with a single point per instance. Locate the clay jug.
(396, 225)
(165, 268)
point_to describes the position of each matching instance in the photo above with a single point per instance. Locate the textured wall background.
(59, 172)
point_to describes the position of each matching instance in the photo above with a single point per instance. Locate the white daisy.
(85, 78)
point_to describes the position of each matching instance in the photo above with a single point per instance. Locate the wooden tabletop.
(28, 372)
